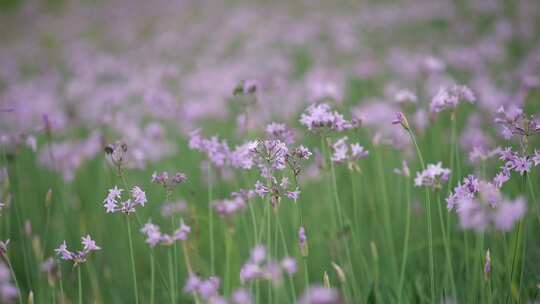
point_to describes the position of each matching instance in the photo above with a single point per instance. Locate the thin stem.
(428, 219)
(450, 269)
(405, 241)
(80, 283)
(211, 218)
(152, 278)
(133, 272)
(8, 262)
(171, 276)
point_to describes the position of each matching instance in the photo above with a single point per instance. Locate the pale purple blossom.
(317, 294)
(432, 177)
(77, 257)
(450, 97)
(319, 118)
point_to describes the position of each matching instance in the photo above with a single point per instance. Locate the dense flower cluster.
(113, 202)
(432, 177)
(281, 132)
(319, 118)
(154, 235)
(261, 266)
(514, 122)
(216, 150)
(450, 97)
(480, 204)
(78, 257)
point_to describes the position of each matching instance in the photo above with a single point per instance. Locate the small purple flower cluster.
(205, 288)
(480, 204)
(169, 209)
(162, 178)
(280, 132)
(237, 202)
(112, 205)
(320, 295)
(434, 176)
(78, 257)
(261, 266)
(318, 118)
(513, 161)
(216, 150)
(8, 291)
(154, 235)
(450, 97)
(514, 122)
(277, 190)
(343, 152)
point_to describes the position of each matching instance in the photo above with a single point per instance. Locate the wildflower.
(319, 118)
(242, 156)
(162, 178)
(217, 151)
(514, 122)
(78, 257)
(228, 207)
(404, 170)
(405, 96)
(261, 266)
(206, 288)
(487, 265)
(8, 291)
(280, 132)
(168, 209)
(536, 157)
(450, 97)
(320, 295)
(289, 265)
(302, 241)
(480, 205)
(113, 203)
(341, 151)
(155, 237)
(139, 197)
(433, 176)
(293, 194)
(241, 296)
(401, 120)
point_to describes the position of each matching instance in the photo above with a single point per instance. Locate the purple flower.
(139, 197)
(280, 132)
(522, 165)
(242, 156)
(89, 244)
(64, 253)
(261, 189)
(509, 212)
(319, 118)
(182, 232)
(341, 151)
(450, 97)
(487, 265)
(432, 177)
(289, 265)
(320, 295)
(293, 194)
(536, 157)
(78, 257)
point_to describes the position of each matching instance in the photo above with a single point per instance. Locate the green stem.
(131, 253)
(405, 241)
(211, 219)
(80, 283)
(152, 278)
(428, 219)
(171, 276)
(450, 269)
